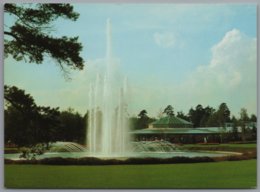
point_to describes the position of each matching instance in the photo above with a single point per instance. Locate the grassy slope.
(238, 174)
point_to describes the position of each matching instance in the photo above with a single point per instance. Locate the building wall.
(180, 138)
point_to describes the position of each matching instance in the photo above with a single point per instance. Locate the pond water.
(143, 149)
(15, 156)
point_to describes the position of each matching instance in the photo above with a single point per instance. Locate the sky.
(172, 54)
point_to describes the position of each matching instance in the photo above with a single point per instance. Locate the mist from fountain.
(66, 147)
(107, 132)
(154, 146)
(108, 128)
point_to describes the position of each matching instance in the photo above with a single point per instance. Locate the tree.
(207, 113)
(20, 100)
(169, 110)
(223, 114)
(73, 126)
(234, 128)
(243, 119)
(140, 121)
(254, 132)
(253, 118)
(133, 122)
(142, 114)
(213, 120)
(20, 115)
(243, 115)
(29, 36)
(20, 110)
(181, 115)
(143, 119)
(27, 124)
(196, 115)
(48, 125)
(14, 128)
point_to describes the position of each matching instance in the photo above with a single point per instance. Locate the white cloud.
(229, 77)
(164, 39)
(233, 59)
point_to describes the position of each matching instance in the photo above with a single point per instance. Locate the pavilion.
(177, 130)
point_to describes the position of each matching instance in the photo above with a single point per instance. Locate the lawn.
(225, 145)
(245, 147)
(235, 174)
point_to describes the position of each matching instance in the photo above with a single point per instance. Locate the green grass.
(11, 150)
(247, 145)
(236, 174)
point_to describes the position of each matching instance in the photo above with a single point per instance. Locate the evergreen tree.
(253, 118)
(243, 120)
(223, 114)
(181, 115)
(169, 110)
(234, 128)
(143, 120)
(30, 37)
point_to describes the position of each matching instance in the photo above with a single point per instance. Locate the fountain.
(107, 133)
(154, 146)
(66, 147)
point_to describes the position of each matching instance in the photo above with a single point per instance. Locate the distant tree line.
(27, 123)
(202, 117)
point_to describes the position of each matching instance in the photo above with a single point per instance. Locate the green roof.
(175, 131)
(171, 121)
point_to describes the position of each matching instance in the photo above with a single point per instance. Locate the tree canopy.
(18, 99)
(169, 110)
(27, 123)
(181, 115)
(223, 114)
(142, 114)
(208, 116)
(29, 37)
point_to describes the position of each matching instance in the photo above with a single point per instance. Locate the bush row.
(97, 161)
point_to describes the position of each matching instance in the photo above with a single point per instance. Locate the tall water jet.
(107, 133)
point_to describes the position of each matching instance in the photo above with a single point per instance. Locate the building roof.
(173, 131)
(171, 122)
(206, 130)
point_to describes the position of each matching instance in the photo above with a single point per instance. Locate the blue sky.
(175, 54)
